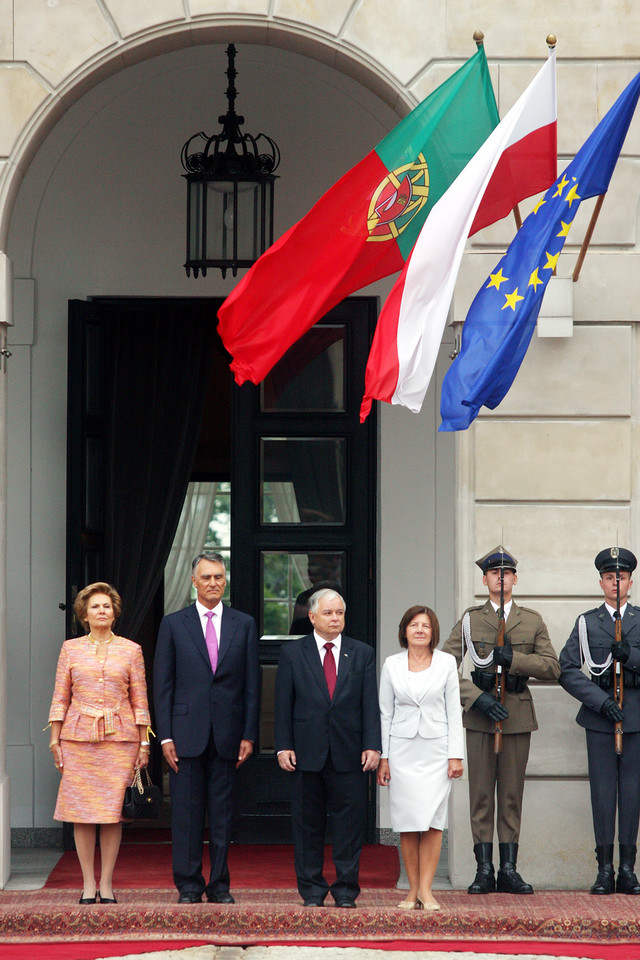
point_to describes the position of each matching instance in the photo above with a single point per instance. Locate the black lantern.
(230, 178)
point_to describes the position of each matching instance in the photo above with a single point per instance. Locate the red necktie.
(329, 668)
(211, 640)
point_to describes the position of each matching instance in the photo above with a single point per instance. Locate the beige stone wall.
(51, 51)
(555, 471)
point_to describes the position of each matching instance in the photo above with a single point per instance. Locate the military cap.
(615, 558)
(496, 558)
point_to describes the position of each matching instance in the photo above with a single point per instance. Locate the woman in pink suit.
(99, 720)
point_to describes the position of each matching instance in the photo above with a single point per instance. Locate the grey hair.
(211, 557)
(316, 598)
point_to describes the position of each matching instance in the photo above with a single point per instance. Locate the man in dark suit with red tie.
(207, 702)
(327, 731)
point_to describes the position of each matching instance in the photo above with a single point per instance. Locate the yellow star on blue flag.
(495, 339)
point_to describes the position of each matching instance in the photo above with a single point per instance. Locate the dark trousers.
(203, 784)
(615, 782)
(498, 775)
(342, 796)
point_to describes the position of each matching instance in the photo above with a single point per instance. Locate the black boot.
(627, 881)
(485, 879)
(605, 881)
(509, 880)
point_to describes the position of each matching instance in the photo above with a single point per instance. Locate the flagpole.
(478, 36)
(587, 237)
(552, 40)
(551, 43)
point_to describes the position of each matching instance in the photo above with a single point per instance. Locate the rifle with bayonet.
(618, 675)
(500, 687)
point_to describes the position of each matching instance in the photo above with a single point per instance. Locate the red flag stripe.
(531, 161)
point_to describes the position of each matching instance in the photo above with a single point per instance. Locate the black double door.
(302, 475)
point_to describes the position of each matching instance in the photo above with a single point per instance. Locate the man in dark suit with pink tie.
(207, 702)
(327, 731)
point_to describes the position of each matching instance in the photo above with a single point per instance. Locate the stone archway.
(41, 122)
(59, 55)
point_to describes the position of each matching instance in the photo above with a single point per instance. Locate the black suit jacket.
(309, 722)
(601, 632)
(190, 702)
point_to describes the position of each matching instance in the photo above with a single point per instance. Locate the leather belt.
(605, 680)
(486, 680)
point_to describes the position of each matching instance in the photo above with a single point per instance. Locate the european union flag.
(502, 317)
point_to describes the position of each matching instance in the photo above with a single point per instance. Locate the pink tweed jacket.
(100, 700)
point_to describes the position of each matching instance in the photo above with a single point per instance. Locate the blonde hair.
(81, 603)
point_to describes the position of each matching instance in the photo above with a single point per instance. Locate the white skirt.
(419, 787)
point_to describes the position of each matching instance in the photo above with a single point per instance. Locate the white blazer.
(436, 714)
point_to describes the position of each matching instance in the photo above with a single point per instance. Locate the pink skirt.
(94, 778)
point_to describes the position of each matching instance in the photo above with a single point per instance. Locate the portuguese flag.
(363, 228)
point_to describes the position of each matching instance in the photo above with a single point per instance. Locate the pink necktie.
(211, 639)
(329, 665)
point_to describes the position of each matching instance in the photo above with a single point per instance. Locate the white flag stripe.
(430, 273)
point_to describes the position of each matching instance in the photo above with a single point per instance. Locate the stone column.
(6, 301)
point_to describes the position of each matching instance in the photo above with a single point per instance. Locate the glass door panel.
(288, 581)
(311, 376)
(303, 517)
(303, 479)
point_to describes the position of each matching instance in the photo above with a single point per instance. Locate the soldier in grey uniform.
(527, 652)
(614, 779)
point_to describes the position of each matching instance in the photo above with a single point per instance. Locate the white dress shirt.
(335, 652)
(507, 608)
(612, 610)
(216, 619)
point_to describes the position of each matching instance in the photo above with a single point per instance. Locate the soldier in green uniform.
(527, 652)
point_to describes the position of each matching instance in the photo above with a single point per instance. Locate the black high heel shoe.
(102, 899)
(87, 900)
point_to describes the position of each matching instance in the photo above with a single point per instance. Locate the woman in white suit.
(422, 747)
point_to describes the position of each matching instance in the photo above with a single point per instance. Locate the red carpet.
(251, 866)
(554, 922)
(91, 951)
(49, 924)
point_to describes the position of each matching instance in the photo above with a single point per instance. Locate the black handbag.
(142, 800)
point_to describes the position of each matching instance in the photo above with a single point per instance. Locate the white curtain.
(286, 507)
(284, 501)
(189, 541)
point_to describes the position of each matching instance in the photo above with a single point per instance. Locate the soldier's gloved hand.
(502, 656)
(611, 710)
(492, 707)
(621, 651)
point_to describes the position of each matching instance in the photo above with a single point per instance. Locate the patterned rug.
(277, 916)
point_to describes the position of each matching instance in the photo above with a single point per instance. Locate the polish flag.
(518, 159)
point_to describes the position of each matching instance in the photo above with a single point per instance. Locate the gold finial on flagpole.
(552, 40)
(478, 36)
